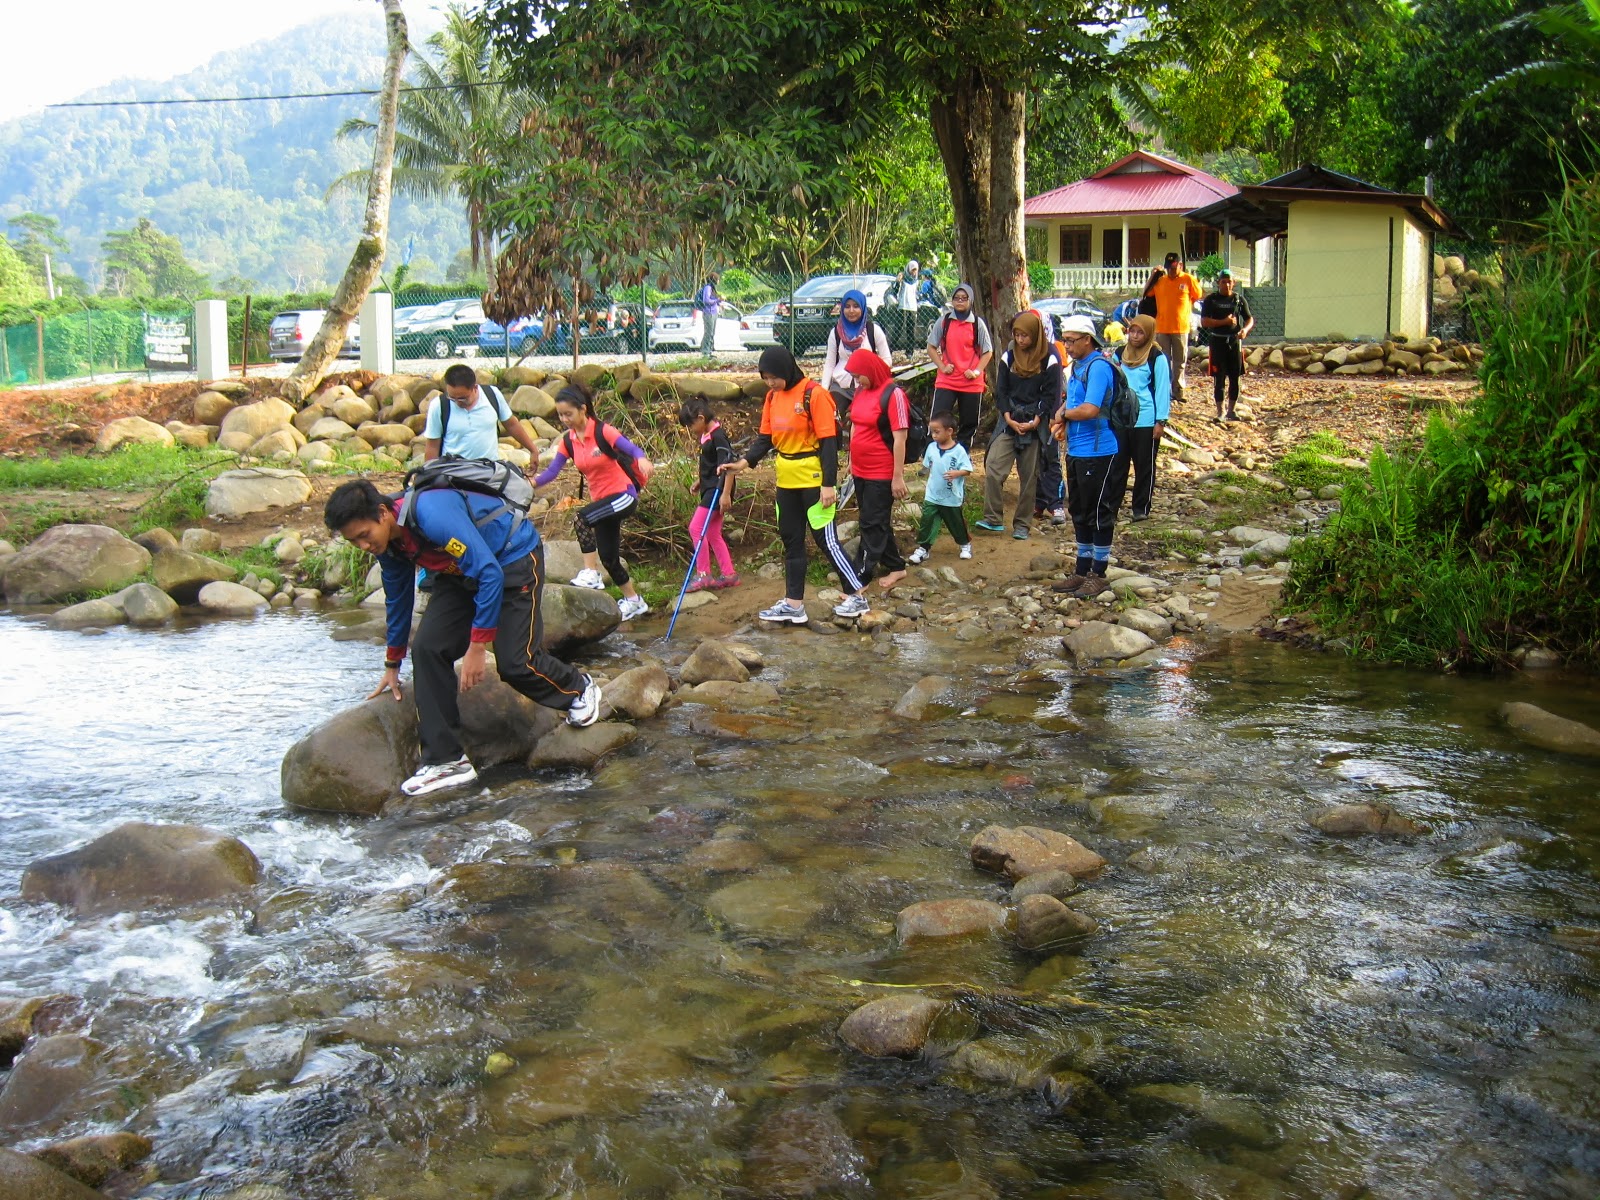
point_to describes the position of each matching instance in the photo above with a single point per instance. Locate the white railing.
(1115, 279)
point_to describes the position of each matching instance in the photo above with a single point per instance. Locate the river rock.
(69, 560)
(195, 437)
(1028, 850)
(257, 420)
(891, 1026)
(801, 1152)
(1244, 602)
(1099, 641)
(23, 1177)
(529, 400)
(638, 693)
(566, 746)
(211, 407)
(1271, 548)
(91, 1160)
(99, 611)
(1152, 625)
(132, 430)
(914, 703)
(156, 540)
(1059, 884)
(46, 1079)
(949, 918)
(138, 866)
(574, 616)
(329, 429)
(772, 904)
(1248, 535)
(713, 660)
(1043, 922)
(721, 855)
(738, 697)
(200, 541)
(1217, 1117)
(1550, 732)
(230, 599)
(182, 573)
(256, 489)
(1360, 820)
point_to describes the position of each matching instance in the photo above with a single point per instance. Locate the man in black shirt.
(1225, 317)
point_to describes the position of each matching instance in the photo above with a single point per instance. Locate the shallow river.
(661, 954)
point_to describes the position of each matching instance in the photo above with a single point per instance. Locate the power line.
(435, 87)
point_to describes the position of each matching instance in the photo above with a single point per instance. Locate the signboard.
(168, 345)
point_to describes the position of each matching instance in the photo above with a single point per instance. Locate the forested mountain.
(241, 185)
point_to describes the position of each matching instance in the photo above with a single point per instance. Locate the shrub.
(1041, 279)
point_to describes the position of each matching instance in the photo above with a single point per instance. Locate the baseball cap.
(1172, 257)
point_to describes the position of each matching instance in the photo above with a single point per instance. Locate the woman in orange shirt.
(798, 422)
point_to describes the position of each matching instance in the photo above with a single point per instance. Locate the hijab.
(972, 303)
(1028, 363)
(852, 333)
(776, 360)
(870, 367)
(1137, 358)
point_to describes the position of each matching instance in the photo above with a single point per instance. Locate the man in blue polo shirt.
(488, 581)
(1092, 494)
(466, 420)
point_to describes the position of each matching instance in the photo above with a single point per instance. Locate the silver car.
(291, 332)
(755, 331)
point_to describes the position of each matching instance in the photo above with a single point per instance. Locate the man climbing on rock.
(489, 577)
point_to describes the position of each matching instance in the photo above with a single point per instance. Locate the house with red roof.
(1106, 233)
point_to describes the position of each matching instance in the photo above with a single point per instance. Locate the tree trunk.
(979, 129)
(367, 260)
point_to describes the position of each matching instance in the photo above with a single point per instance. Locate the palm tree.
(1572, 32)
(460, 132)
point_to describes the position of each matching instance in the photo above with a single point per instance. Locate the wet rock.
(772, 903)
(48, 1079)
(746, 654)
(914, 704)
(638, 693)
(98, 612)
(182, 573)
(1362, 820)
(803, 1152)
(491, 883)
(1546, 730)
(91, 1160)
(566, 746)
(891, 1026)
(1099, 641)
(255, 489)
(1152, 625)
(737, 697)
(748, 727)
(70, 560)
(949, 918)
(1071, 1093)
(270, 1055)
(1059, 884)
(1044, 922)
(990, 1060)
(23, 1177)
(1028, 850)
(20, 1019)
(230, 599)
(576, 616)
(1217, 1117)
(138, 866)
(145, 605)
(712, 660)
(726, 854)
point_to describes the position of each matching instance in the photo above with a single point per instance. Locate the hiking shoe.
(585, 709)
(1092, 586)
(966, 551)
(632, 606)
(726, 581)
(852, 606)
(700, 583)
(1231, 417)
(1020, 535)
(588, 578)
(1144, 516)
(1058, 517)
(794, 614)
(1070, 584)
(989, 526)
(434, 777)
(919, 555)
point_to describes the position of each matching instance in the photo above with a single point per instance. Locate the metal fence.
(76, 345)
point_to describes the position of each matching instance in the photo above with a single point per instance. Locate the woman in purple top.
(710, 304)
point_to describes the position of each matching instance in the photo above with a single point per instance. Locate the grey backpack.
(483, 476)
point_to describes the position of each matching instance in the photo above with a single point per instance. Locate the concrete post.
(211, 339)
(1127, 267)
(377, 333)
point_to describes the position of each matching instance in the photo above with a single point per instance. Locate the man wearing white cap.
(1093, 495)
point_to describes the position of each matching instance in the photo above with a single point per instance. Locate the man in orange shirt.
(1175, 293)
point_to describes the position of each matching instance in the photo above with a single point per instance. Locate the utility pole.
(49, 279)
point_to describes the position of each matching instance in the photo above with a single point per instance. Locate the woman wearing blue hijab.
(854, 330)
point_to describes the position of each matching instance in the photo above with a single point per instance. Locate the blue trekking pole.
(694, 558)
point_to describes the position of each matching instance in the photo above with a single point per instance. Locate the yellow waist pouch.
(803, 472)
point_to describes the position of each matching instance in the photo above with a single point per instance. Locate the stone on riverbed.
(1028, 850)
(1550, 732)
(1044, 922)
(1100, 641)
(891, 1026)
(138, 866)
(1059, 884)
(638, 693)
(804, 1152)
(738, 697)
(713, 661)
(1362, 820)
(1152, 625)
(1217, 1117)
(573, 616)
(70, 560)
(961, 917)
(182, 573)
(91, 1160)
(565, 746)
(230, 599)
(100, 611)
(23, 1176)
(145, 604)
(914, 704)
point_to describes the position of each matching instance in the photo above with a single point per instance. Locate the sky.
(105, 40)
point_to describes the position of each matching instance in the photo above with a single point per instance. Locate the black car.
(815, 308)
(438, 330)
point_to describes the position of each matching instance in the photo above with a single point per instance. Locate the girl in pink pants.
(715, 449)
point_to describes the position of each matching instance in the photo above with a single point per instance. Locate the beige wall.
(1338, 277)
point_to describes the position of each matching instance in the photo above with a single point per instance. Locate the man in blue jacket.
(487, 585)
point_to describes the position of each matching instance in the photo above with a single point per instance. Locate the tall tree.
(367, 260)
(39, 243)
(19, 285)
(143, 263)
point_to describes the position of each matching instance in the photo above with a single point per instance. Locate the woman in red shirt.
(879, 471)
(960, 346)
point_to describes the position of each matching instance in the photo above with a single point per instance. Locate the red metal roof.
(1174, 187)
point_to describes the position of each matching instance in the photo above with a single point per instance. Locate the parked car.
(755, 331)
(816, 307)
(1071, 306)
(521, 337)
(438, 330)
(292, 331)
(678, 324)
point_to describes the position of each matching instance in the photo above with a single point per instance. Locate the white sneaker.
(433, 777)
(794, 614)
(919, 555)
(852, 606)
(586, 708)
(966, 551)
(590, 579)
(632, 606)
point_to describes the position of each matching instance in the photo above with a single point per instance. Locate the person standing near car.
(1175, 295)
(710, 304)
(466, 420)
(853, 331)
(960, 346)
(1225, 316)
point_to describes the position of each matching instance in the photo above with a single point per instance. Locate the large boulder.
(100, 611)
(531, 401)
(962, 917)
(1099, 641)
(91, 1160)
(144, 604)
(257, 489)
(48, 1078)
(712, 660)
(891, 1026)
(1153, 625)
(352, 409)
(573, 616)
(1364, 820)
(230, 599)
(1028, 850)
(638, 693)
(355, 761)
(329, 429)
(131, 430)
(1544, 729)
(24, 1177)
(563, 559)
(211, 407)
(138, 866)
(182, 573)
(257, 420)
(69, 560)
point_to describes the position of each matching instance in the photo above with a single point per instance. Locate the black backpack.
(917, 435)
(1124, 409)
(497, 403)
(481, 476)
(609, 449)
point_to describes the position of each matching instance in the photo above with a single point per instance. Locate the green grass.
(1308, 465)
(1257, 501)
(129, 468)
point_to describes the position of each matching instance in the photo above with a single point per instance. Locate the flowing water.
(630, 984)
